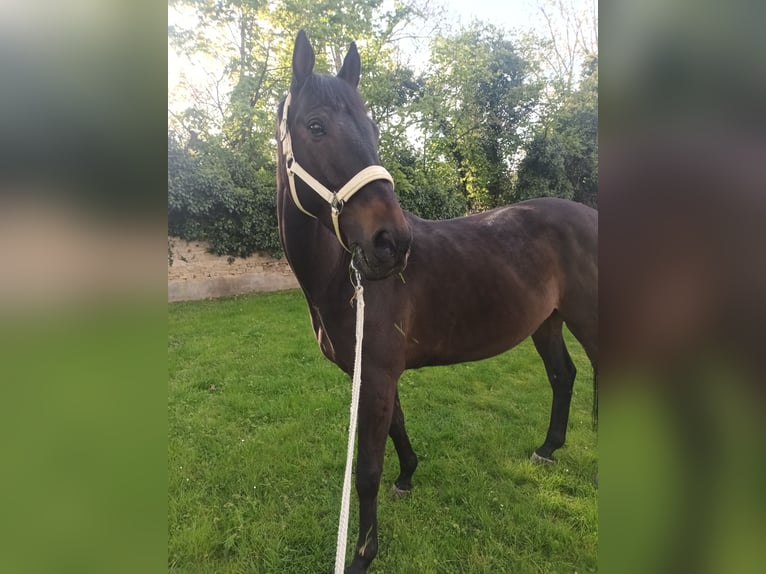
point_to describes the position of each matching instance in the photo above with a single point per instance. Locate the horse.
(437, 292)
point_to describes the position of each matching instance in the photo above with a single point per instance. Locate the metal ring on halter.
(337, 204)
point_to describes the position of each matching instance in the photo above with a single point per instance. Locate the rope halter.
(336, 199)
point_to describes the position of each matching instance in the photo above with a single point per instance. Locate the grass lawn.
(256, 450)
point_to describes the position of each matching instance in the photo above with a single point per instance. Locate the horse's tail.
(594, 413)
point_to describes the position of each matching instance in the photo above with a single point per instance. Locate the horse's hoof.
(398, 493)
(541, 459)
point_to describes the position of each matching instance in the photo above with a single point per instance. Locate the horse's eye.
(316, 128)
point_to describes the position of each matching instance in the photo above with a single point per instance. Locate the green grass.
(256, 450)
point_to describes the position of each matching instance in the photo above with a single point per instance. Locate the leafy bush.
(432, 193)
(432, 202)
(218, 195)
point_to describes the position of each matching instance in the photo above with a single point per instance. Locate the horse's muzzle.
(384, 256)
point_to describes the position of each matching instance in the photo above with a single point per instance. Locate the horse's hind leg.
(561, 371)
(408, 460)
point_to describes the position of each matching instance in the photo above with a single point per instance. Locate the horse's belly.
(476, 335)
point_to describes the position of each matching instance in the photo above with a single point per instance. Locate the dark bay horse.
(437, 292)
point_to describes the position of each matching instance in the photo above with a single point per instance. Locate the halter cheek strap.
(336, 199)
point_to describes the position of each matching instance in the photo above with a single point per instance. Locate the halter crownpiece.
(336, 199)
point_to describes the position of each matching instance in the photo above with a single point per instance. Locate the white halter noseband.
(335, 199)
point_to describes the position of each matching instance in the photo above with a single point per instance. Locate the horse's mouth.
(376, 271)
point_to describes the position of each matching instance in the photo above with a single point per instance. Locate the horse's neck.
(315, 256)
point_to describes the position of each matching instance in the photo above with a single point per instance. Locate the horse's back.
(518, 233)
(572, 217)
(480, 284)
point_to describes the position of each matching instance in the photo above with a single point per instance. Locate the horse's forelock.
(331, 92)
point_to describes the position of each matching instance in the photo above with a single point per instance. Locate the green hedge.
(220, 196)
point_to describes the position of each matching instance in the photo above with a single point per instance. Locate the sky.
(504, 13)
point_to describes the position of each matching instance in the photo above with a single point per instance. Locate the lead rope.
(340, 549)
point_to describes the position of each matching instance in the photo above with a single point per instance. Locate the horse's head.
(333, 142)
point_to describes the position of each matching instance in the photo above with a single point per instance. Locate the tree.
(562, 158)
(572, 39)
(476, 103)
(231, 33)
(561, 154)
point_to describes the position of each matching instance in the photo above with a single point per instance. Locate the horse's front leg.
(376, 405)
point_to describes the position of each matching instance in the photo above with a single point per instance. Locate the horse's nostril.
(384, 245)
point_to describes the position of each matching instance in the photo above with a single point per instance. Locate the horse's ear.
(303, 59)
(352, 66)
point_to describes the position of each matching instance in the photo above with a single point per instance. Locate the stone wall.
(196, 274)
